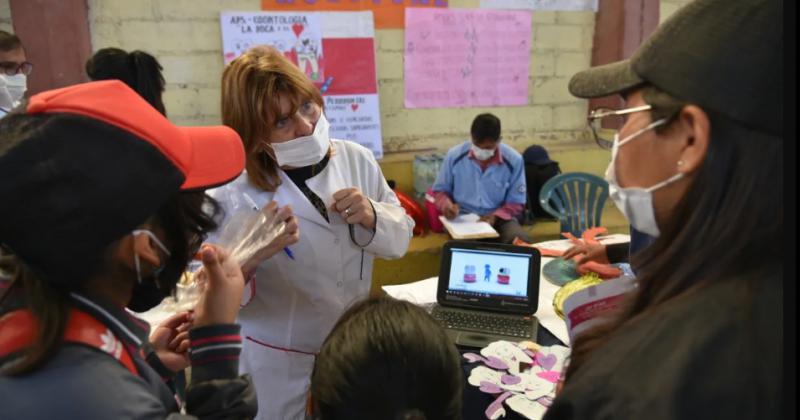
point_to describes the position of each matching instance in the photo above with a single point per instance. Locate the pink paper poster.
(466, 57)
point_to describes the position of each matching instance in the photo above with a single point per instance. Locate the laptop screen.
(487, 273)
(496, 277)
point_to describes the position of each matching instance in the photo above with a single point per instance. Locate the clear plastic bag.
(246, 231)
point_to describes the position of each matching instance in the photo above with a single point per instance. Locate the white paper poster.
(336, 50)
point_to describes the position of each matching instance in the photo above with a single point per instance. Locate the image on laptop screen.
(488, 273)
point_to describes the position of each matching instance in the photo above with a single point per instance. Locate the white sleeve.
(393, 227)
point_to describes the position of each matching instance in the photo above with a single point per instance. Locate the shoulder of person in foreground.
(713, 353)
(80, 382)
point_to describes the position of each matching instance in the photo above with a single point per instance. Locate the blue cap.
(536, 155)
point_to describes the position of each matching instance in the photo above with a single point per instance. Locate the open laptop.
(488, 292)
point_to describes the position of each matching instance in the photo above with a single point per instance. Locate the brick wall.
(185, 37)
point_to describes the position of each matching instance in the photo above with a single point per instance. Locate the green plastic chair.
(576, 199)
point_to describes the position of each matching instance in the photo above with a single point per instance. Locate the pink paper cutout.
(490, 388)
(510, 379)
(546, 362)
(473, 358)
(496, 406)
(550, 376)
(496, 363)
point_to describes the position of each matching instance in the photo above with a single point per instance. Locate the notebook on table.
(487, 292)
(468, 226)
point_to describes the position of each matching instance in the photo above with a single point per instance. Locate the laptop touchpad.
(472, 339)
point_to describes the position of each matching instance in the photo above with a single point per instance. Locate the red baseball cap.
(87, 164)
(207, 156)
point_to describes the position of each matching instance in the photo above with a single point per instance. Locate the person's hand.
(223, 285)
(588, 252)
(488, 218)
(170, 340)
(451, 211)
(354, 207)
(290, 235)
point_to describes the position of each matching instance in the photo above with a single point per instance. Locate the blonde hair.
(252, 85)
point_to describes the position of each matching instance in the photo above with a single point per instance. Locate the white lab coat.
(293, 304)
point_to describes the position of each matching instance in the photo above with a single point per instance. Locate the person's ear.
(694, 130)
(140, 245)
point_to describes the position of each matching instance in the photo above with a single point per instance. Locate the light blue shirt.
(482, 192)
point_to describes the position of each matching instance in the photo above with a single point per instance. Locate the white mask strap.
(136, 261)
(651, 126)
(666, 182)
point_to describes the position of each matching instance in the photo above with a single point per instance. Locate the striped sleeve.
(214, 351)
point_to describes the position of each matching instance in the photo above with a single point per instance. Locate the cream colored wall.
(185, 36)
(668, 7)
(561, 45)
(5, 16)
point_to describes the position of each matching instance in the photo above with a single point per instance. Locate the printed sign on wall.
(388, 13)
(466, 57)
(336, 50)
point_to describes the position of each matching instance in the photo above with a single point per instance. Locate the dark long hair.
(728, 226)
(387, 359)
(186, 219)
(137, 69)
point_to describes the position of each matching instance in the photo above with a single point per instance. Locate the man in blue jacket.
(484, 177)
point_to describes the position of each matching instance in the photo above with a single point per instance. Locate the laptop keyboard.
(485, 323)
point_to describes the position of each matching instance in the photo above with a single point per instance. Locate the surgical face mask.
(146, 292)
(16, 86)
(635, 203)
(306, 150)
(482, 154)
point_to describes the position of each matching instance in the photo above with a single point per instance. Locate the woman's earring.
(680, 163)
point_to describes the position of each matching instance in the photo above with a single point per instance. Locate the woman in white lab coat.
(346, 213)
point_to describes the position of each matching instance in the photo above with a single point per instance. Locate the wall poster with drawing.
(336, 50)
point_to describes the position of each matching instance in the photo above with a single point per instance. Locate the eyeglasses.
(11, 68)
(604, 137)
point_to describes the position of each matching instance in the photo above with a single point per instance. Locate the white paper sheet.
(466, 226)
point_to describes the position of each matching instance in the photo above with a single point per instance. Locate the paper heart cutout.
(510, 379)
(297, 29)
(496, 363)
(546, 362)
(490, 388)
(473, 358)
(550, 376)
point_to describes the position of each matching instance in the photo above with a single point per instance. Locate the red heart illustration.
(297, 29)
(354, 106)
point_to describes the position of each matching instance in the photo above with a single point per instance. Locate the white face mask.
(306, 150)
(482, 154)
(635, 203)
(16, 86)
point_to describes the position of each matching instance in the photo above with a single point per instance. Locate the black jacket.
(716, 353)
(81, 382)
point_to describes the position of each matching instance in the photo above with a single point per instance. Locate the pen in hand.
(255, 207)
